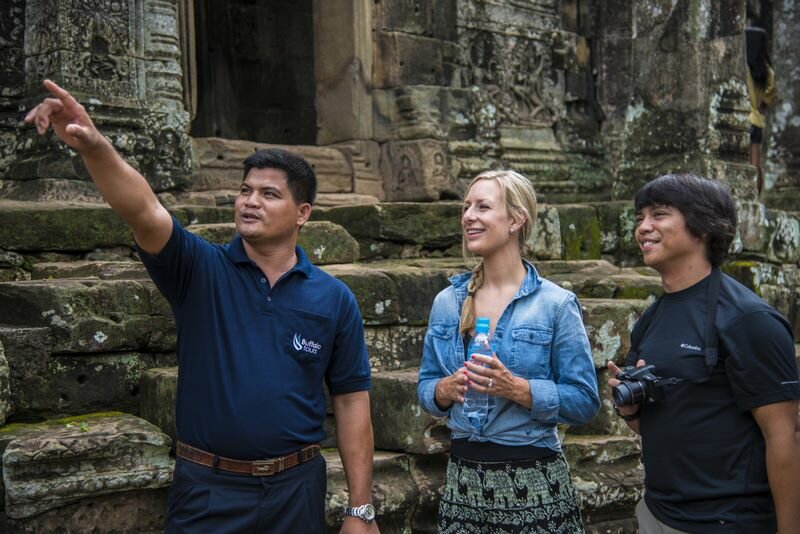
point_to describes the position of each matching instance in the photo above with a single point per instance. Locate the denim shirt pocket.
(444, 346)
(530, 351)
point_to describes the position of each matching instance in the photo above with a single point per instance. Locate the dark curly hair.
(300, 177)
(706, 205)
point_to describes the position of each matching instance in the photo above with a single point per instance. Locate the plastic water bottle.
(476, 404)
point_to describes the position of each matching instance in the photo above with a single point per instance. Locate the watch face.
(369, 512)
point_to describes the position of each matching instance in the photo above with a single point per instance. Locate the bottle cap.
(482, 325)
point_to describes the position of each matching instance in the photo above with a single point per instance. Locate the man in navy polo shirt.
(259, 330)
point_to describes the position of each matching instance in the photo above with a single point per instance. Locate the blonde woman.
(507, 474)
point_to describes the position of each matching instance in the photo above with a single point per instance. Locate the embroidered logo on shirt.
(305, 345)
(691, 347)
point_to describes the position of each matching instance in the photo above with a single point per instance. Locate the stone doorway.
(254, 62)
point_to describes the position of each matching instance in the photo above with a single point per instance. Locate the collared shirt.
(252, 357)
(758, 96)
(540, 336)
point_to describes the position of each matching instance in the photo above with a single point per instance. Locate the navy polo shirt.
(252, 358)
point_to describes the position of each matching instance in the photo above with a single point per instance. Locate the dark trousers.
(204, 500)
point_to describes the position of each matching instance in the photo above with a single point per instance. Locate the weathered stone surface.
(545, 240)
(375, 293)
(51, 190)
(431, 226)
(104, 270)
(398, 421)
(608, 324)
(51, 464)
(606, 422)
(346, 199)
(416, 289)
(31, 226)
(394, 347)
(580, 232)
(416, 170)
(220, 162)
(784, 237)
(607, 474)
(128, 512)
(27, 351)
(75, 384)
(394, 492)
(92, 315)
(5, 394)
(157, 393)
(617, 224)
(323, 241)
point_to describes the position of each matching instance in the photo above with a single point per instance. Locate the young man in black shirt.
(721, 447)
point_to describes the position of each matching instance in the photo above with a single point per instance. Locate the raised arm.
(125, 190)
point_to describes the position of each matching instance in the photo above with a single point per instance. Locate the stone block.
(56, 226)
(365, 159)
(58, 462)
(220, 164)
(91, 315)
(784, 237)
(104, 270)
(395, 347)
(157, 393)
(129, 512)
(6, 407)
(405, 59)
(375, 293)
(751, 227)
(416, 289)
(51, 190)
(617, 226)
(608, 324)
(545, 241)
(398, 421)
(416, 170)
(429, 19)
(607, 474)
(324, 242)
(394, 492)
(430, 225)
(580, 232)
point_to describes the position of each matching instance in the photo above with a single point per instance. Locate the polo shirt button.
(269, 299)
(263, 280)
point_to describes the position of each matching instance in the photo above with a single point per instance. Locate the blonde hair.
(520, 201)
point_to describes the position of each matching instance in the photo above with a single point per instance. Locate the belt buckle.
(267, 468)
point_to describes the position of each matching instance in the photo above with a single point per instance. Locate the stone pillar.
(121, 59)
(782, 164)
(12, 75)
(680, 77)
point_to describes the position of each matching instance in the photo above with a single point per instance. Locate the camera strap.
(711, 340)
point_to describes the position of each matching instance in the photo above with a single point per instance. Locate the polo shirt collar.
(236, 252)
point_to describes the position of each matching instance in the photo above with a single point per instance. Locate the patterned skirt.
(519, 496)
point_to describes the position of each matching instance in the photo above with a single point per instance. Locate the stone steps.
(89, 332)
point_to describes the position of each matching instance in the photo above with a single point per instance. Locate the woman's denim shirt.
(540, 337)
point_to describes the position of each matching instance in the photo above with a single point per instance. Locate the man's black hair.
(300, 177)
(706, 205)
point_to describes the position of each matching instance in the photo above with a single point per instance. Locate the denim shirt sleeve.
(571, 397)
(432, 369)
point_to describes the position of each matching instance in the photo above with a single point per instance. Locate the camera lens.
(628, 394)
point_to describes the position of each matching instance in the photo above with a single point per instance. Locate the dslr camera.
(639, 384)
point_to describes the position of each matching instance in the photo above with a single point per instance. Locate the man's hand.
(68, 118)
(613, 382)
(353, 525)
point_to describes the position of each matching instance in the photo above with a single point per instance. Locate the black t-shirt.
(703, 453)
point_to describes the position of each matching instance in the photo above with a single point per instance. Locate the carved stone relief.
(512, 75)
(416, 170)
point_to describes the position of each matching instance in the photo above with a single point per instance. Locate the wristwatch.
(365, 512)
